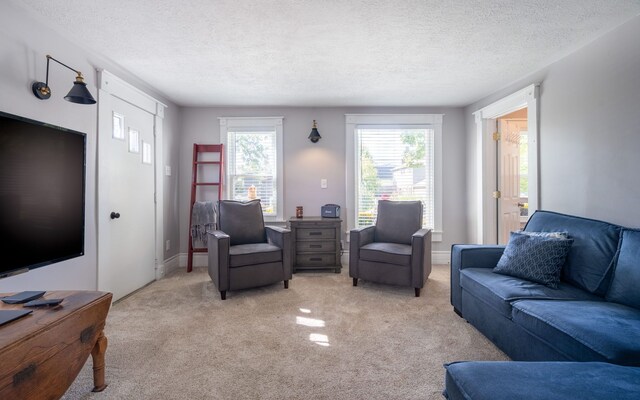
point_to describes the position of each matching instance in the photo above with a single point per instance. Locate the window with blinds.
(252, 167)
(394, 163)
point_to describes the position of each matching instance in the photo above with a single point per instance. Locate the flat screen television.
(42, 194)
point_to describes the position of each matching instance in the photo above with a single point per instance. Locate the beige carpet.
(319, 339)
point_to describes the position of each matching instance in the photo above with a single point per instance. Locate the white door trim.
(114, 86)
(486, 212)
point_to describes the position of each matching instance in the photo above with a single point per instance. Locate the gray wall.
(589, 130)
(306, 163)
(23, 46)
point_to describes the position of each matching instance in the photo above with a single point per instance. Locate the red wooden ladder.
(199, 149)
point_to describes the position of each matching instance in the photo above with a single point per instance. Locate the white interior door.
(126, 209)
(508, 179)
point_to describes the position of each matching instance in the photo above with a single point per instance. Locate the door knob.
(115, 215)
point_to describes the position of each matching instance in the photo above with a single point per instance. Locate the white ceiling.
(333, 52)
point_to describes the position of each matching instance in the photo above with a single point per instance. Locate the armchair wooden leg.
(417, 292)
(223, 294)
(355, 281)
(286, 284)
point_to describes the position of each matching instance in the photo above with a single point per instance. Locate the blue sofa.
(594, 315)
(486, 380)
(575, 334)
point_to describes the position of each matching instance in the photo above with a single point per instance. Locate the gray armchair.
(244, 253)
(396, 251)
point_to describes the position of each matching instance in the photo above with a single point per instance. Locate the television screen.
(42, 183)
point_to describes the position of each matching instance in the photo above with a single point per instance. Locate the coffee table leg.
(97, 354)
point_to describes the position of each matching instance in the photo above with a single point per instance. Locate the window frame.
(244, 123)
(353, 121)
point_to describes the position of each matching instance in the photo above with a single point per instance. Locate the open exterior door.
(508, 177)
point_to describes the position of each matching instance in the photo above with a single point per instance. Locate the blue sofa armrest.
(470, 256)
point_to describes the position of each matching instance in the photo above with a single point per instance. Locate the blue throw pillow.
(557, 235)
(534, 258)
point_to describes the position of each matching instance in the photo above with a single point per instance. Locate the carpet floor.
(320, 339)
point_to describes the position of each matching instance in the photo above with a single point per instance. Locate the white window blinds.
(394, 163)
(252, 166)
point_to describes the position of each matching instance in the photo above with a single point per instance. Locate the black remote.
(43, 303)
(22, 297)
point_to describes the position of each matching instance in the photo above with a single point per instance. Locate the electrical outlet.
(323, 183)
(167, 170)
(167, 245)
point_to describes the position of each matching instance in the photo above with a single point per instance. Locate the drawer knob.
(315, 246)
(315, 259)
(315, 233)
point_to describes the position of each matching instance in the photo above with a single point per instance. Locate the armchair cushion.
(242, 221)
(389, 253)
(252, 254)
(397, 221)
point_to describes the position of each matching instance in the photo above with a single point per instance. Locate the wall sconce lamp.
(78, 94)
(314, 136)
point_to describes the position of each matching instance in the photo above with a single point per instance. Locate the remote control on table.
(43, 303)
(23, 297)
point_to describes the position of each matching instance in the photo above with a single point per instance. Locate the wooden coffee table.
(42, 353)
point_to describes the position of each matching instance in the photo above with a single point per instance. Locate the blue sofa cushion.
(625, 284)
(508, 380)
(498, 291)
(537, 258)
(591, 258)
(584, 330)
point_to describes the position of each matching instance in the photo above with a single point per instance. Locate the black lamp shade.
(80, 94)
(314, 136)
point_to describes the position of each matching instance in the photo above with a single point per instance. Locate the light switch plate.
(323, 183)
(167, 170)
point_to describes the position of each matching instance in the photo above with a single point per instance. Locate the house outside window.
(253, 162)
(394, 157)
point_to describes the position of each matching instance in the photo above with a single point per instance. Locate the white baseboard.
(171, 264)
(440, 257)
(160, 271)
(199, 260)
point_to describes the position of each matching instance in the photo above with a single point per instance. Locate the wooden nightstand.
(316, 243)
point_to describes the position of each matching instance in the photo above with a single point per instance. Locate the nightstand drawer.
(320, 260)
(316, 234)
(316, 247)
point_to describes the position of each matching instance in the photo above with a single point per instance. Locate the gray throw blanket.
(202, 220)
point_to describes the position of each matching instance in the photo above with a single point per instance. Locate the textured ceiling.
(331, 53)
